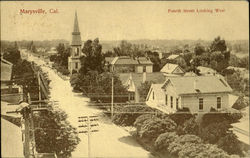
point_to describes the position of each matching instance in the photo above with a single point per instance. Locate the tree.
(199, 49)
(154, 57)
(54, 134)
(12, 55)
(144, 89)
(93, 59)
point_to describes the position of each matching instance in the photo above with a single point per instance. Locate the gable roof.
(204, 84)
(124, 60)
(169, 68)
(6, 70)
(173, 56)
(155, 77)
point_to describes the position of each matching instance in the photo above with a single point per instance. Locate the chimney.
(144, 77)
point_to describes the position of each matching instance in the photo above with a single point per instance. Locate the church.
(74, 63)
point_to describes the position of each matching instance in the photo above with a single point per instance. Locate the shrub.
(230, 144)
(177, 145)
(189, 127)
(151, 128)
(181, 116)
(193, 150)
(162, 142)
(214, 131)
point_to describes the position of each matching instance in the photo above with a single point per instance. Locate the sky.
(125, 20)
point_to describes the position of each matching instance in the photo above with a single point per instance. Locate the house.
(175, 58)
(172, 69)
(197, 93)
(134, 80)
(74, 63)
(9, 92)
(125, 64)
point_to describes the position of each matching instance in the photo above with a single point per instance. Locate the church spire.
(76, 35)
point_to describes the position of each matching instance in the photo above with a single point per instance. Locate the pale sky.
(117, 20)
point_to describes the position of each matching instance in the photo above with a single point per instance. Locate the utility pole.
(89, 120)
(112, 94)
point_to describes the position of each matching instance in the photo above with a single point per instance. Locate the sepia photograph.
(125, 79)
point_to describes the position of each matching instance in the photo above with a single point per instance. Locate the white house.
(172, 69)
(198, 93)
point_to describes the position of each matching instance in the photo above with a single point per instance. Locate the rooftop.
(169, 68)
(6, 70)
(172, 57)
(198, 84)
(155, 77)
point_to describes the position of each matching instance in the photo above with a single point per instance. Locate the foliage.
(214, 131)
(93, 59)
(190, 126)
(230, 144)
(232, 116)
(12, 55)
(55, 134)
(199, 49)
(193, 150)
(150, 128)
(177, 145)
(98, 86)
(130, 114)
(154, 57)
(181, 116)
(163, 140)
(240, 103)
(238, 83)
(143, 90)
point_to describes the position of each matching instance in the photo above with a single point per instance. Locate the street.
(110, 141)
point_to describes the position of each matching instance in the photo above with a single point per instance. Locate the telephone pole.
(112, 93)
(89, 121)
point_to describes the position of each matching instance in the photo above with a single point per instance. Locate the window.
(144, 68)
(218, 102)
(153, 96)
(131, 96)
(166, 99)
(177, 103)
(200, 103)
(171, 101)
(77, 51)
(76, 65)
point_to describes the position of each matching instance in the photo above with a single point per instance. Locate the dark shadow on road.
(129, 140)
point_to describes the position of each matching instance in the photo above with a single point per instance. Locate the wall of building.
(209, 100)
(149, 68)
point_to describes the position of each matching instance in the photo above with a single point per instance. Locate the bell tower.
(76, 45)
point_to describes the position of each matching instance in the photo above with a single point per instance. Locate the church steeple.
(76, 35)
